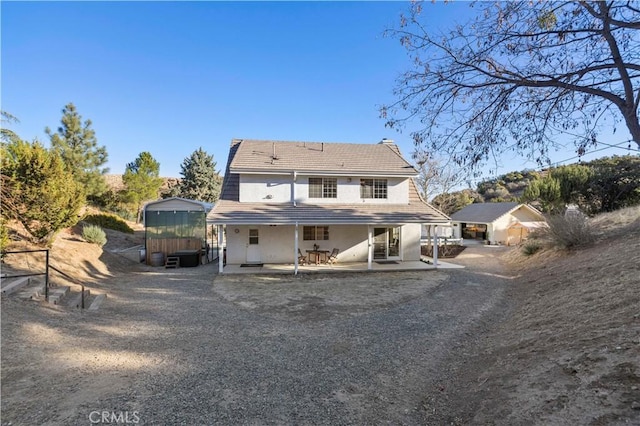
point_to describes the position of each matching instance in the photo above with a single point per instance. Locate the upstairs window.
(373, 188)
(323, 188)
(314, 233)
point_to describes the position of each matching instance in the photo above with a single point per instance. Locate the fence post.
(46, 278)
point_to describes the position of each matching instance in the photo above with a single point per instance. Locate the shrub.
(531, 248)
(109, 221)
(570, 231)
(4, 235)
(94, 234)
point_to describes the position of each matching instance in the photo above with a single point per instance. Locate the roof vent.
(387, 141)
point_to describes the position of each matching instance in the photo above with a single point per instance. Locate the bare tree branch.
(516, 74)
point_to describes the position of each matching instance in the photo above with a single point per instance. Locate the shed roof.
(483, 212)
(177, 203)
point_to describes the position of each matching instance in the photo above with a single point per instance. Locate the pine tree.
(38, 189)
(6, 134)
(142, 180)
(200, 180)
(78, 146)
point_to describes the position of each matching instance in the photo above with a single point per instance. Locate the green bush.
(94, 234)
(109, 221)
(4, 235)
(531, 248)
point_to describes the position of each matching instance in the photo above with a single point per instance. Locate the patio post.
(435, 250)
(220, 250)
(369, 247)
(295, 250)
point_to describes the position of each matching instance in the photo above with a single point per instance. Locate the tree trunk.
(631, 119)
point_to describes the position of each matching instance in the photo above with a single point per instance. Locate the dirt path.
(186, 347)
(566, 351)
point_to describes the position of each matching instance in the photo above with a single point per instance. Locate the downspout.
(293, 188)
(295, 233)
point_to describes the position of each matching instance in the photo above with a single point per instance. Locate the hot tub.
(188, 258)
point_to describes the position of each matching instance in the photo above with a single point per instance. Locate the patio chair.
(302, 259)
(333, 257)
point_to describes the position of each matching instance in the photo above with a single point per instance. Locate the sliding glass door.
(386, 243)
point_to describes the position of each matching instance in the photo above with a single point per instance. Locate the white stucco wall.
(439, 230)
(456, 230)
(276, 243)
(410, 238)
(278, 188)
(265, 188)
(500, 229)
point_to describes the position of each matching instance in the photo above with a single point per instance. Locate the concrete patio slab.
(271, 268)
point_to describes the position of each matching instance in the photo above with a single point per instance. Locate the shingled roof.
(230, 212)
(320, 157)
(251, 155)
(483, 212)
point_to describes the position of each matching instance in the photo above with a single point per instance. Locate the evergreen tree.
(38, 190)
(546, 193)
(78, 146)
(142, 180)
(449, 203)
(614, 183)
(6, 134)
(200, 179)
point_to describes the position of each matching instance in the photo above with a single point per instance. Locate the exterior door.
(253, 247)
(379, 243)
(393, 243)
(386, 243)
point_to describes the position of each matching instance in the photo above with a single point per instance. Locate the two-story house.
(280, 199)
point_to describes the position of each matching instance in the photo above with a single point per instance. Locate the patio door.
(386, 243)
(253, 247)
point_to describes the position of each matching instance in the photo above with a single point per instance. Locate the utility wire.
(607, 146)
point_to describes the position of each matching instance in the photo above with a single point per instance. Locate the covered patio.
(282, 268)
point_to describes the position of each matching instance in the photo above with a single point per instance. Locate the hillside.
(569, 351)
(85, 262)
(115, 183)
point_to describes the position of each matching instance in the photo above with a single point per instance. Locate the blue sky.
(168, 77)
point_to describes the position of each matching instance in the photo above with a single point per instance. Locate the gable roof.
(484, 212)
(177, 203)
(229, 210)
(319, 157)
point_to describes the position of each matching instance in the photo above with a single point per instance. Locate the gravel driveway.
(188, 347)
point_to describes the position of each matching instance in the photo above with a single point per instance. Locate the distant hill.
(507, 187)
(115, 183)
(614, 182)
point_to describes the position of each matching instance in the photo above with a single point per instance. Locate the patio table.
(316, 255)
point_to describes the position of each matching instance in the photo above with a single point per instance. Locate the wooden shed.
(174, 225)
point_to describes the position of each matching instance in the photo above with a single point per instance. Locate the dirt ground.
(552, 338)
(568, 350)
